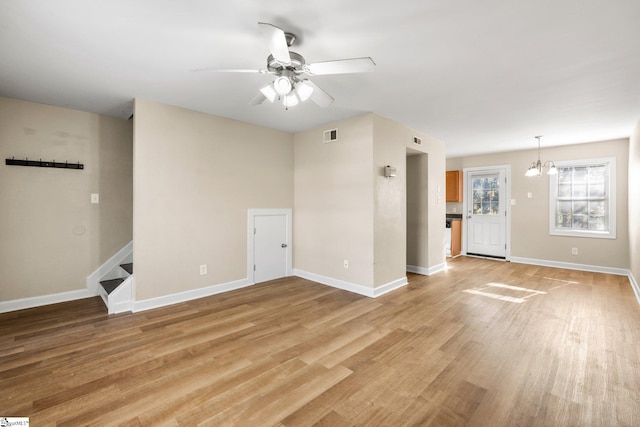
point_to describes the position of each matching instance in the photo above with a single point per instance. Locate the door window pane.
(486, 195)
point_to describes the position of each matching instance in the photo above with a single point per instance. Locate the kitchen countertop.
(454, 216)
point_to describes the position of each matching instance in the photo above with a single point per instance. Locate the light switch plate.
(95, 198)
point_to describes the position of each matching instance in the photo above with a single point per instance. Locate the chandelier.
(536, 166)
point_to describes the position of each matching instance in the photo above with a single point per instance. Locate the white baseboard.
(352, 287)
(427, 271)
(634, 286)
(391, 286)
(584, 267)
(165, 300)
(21, 304)
(111, 263)
(571, 266)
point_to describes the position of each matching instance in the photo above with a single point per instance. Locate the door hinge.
(254, 267)
(254, 230)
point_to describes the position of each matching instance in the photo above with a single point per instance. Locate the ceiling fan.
(291, 85)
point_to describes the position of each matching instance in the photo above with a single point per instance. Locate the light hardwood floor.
(485, 343)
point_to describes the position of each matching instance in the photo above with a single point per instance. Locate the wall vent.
(417, 141)
(330, 135)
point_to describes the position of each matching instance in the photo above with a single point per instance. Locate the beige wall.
(346, 209)
(389, 201)
(334, 212)
(530, 217)
(51, 236)
(634, 202)
(195, 177)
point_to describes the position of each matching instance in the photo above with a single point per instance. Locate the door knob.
(284, 245)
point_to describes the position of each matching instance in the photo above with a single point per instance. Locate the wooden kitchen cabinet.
(456, 237)
(453, 186)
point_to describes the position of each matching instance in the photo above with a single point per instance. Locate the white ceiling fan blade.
(258, 99)
(230, 70)
(276, 41)
(304, 90)
(341, 66)
(319, 96)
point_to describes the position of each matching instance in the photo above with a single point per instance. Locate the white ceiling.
(482, 76)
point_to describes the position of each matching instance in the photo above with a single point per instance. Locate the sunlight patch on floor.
(517, 294)
(563, 282)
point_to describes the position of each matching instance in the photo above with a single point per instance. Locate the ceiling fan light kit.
(290, 87)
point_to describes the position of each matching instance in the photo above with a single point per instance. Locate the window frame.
(610, 199)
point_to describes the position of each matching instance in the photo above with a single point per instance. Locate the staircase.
(113, 281)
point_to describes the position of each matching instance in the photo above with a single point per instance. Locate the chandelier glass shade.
(536, 166)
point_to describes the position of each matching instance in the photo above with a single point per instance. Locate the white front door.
(486, 212)
(271, 247)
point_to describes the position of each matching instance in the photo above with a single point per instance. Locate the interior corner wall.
(333, 211)
(52, 236)
(435, 193)
(530, 236)
(195, 177)
(417, 211)
(390, 201)
(634, 202)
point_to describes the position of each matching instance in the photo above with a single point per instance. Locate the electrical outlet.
(574, 251)
(203, 269)
(455, 210)
(346, 264)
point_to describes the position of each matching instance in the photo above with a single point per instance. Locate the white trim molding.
(352, 287)
(584, 267)
(634, 286)
(21, 304)
(427, 271)
(571, 266)
(189, 295)
(391, 286)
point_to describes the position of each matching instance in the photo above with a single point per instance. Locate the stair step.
(111, 285)
(128, 267)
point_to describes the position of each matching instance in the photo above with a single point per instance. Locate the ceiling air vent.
(417, 141)
(330, 135)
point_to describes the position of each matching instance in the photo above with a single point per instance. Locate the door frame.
(508, 203)
(251, 215)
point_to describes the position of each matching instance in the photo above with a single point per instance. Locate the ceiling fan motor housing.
(275, 66)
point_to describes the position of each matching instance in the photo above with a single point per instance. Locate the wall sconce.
(389, 172)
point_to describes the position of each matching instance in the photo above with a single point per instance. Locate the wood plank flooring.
(485, 343)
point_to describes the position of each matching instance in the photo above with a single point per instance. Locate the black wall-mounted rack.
(43, 164)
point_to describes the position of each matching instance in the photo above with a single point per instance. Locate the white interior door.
(271, 247)
(486, 212)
